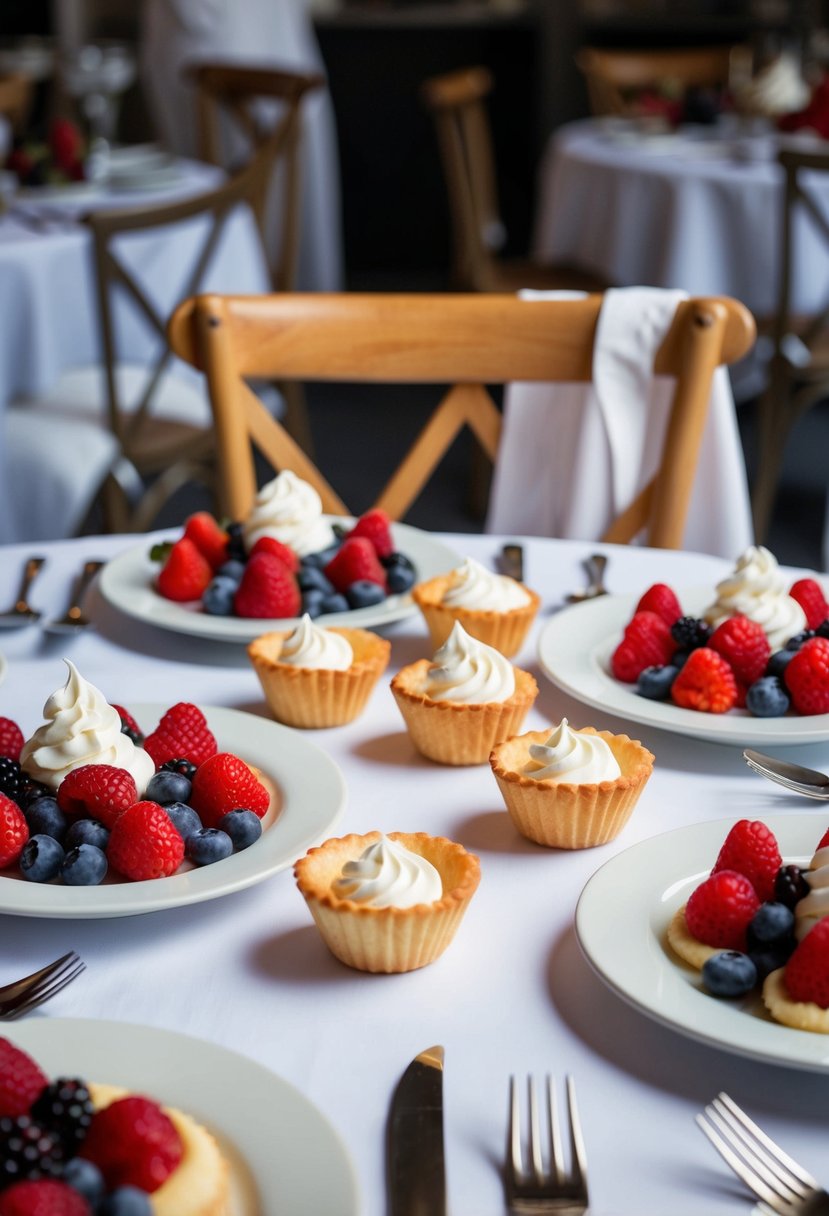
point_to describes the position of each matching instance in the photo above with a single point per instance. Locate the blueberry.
(180, 765)
(771, 922)
(185, 820)
(231, 569)
(218, 597)
(767, 698)
(87, 831)
(364, 593)
(680, 657)
(769, 957)
(41, 858)
(322, 558)
(311, 578)
(397, 559)
(312, 601)
(85, 1178)
(729, 973)
(799, 638)
(400, 578)
(335, 603)
(208, 845)
(84, 866)
(822, 630)
(45, 817)
(242, 826)
(655, 682)
(236, 542)
(166, 787)
(778, 662)
(125, 1201)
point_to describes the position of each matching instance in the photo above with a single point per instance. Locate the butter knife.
(415, 1159)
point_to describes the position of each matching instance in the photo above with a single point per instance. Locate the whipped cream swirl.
(469, 671)
(312, 646)
(388, 875)
(757, 589)
(814, 906)
(473, 586)
(572, 757)
(81, 727)
(289, 510)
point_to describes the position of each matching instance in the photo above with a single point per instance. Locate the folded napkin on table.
(572, 456)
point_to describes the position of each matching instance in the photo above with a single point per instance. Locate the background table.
(512, 994)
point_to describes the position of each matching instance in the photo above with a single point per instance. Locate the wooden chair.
(466, 341)
(614, 75)
(15, 99)
(458, 104)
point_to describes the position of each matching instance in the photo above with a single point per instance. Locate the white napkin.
(573, 455)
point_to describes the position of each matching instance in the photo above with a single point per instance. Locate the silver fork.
(782, 1186)
(74, 620)
(21, 612)
(541, 1188)
(791, 776)
(21, 996)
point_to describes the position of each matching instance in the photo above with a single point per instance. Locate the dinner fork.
(791, 776)
(21, 611)
(540, 1188)
(782, 1186)
(74, 620)
(22, 996)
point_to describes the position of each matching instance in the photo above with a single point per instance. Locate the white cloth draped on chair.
(572, 456)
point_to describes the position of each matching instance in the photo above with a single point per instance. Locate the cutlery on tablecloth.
(415, 1168)
(538, 1187)
(21, 996)
(794, 777)
(74, 620)
(21, 611)
(511, 561)
(595, 565)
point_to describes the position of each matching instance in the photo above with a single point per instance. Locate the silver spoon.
(792, 777)
(511, 562)
(21, 611)
(73, 620)
(595, 565)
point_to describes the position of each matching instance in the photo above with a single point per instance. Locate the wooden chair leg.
(775, 421)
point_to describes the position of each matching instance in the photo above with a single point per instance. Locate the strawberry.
(44, 1197)
(269, 544)
(14, 832)
(208, 537)
(11, 739)
(744, 646)
(65, 143)
(144, 844)
(646, 642)
(356, 559)
(182, 733)
(97, 791)
(720, 909)
(807, 677)
(268, 589)
(225, 783)
(807, 972)
(705, 682)
(129, 726)
(21, 1080)
(751, 849)
(185, 574)
(375, 526)
(661, 599)
(133, 1142)
(809, 594)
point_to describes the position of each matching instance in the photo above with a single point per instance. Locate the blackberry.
(65, 1108)
(689, 632)
(822, 630)
(183, 766)
(13, 781)
(790, 885)
(135, 735)
(28, 1150)
(236, 542)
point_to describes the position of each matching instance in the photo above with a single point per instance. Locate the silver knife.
(415, 1160)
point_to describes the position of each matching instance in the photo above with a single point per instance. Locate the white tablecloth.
(512, 994)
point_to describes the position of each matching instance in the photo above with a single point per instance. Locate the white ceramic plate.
(575, 648)
(284, 1154)
(311, 793)
(621, 923)
(127, 583)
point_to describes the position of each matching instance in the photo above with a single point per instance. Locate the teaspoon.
(792, 777)
(73, 620)
(21, 611)
(595, 565)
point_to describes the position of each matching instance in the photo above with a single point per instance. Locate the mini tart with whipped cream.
(571, 789)
(388, 903)
(315, 677)
(491, 607)
(466, 700)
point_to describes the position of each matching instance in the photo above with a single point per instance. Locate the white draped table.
(512, 994)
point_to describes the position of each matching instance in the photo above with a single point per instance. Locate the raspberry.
(43, 1198)
(807, 677)
(809, 594)
(720, 910)
(182, 734)
(807, 971)
(268, 589)
(646, 642)
(144, 844)
(208, 537)
(355, 560)
(705, 682)
(14, 831)
(744, 645)
(185, 574)
(269, 544)
(21, 1080)
(133, 1143)
(11, 739)
(751, 849)
(225, 783)
(129, 726)
(375, 526)
(661, 599)
(97, 791)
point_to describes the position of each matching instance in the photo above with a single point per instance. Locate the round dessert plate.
(621, 923)
(575, 648)
(284, 1155)
(127, 583)
(310, 798)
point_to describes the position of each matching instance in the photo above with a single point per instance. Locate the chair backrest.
(613, 75)
(801, 199)
(264, 105)
(15, 99)
(466, 341)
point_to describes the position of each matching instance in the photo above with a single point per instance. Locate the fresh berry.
(184, 819)
(97, 791)
(807, 677)
(375, 526)
(311, 578)
(167, 787)
(233, 569)
(646, 642)
(182, 734)
(778, 663)
(206, 845)
(11, 739)
(822, 630)
(46, 1197)
(720, 910)
(767, 698)
(772, 922)
(125, 1201)
(661, 599)
(84, 866)
(751, 849)
(219, 595)
(322, 557)
(133, 1143)
(269, 544)
(364, 593)
(744, 645)
(689, 632)
(41, 858)
(129, 726)
(13, 780)
(809, 594)
(400, 573)
(65, 142)
(144, 844)
(729, 973)
(85, 1178)
(224, 783)
(796, 642)
(87, 831)
(790, 885)
(208, 537)
(65, 1107)
(357, 559)
(185, 574)
(45, 816)
(312, 601)
(179, 765)
(14, 832)
(336, 602)
(807, 971)
(27, 1150)
(655, 682)
(706, 682)
(268, 589)
(236, 542)
(242, 826)
(21, 1080)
